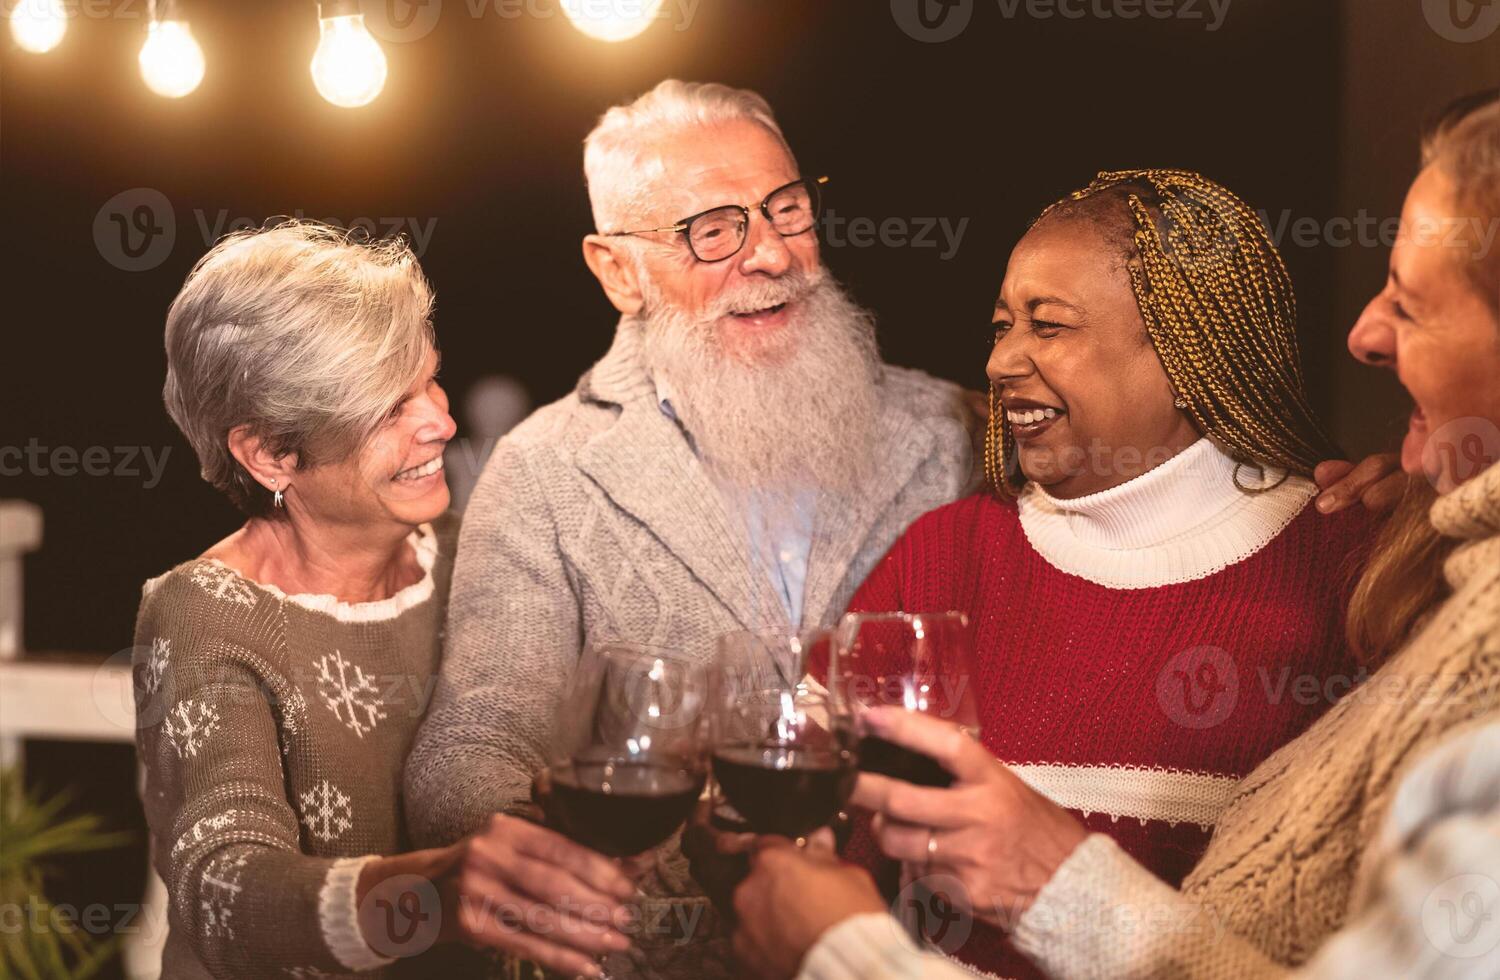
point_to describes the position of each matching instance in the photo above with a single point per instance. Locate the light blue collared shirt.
(779, 529)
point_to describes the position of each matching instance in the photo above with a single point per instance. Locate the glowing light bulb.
(171, 61)
(611, 20)
(348, 68)
(38, 25)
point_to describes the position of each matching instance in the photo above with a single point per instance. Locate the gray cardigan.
(594, 520)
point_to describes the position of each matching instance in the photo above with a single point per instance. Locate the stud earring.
(1181, 403)
(276, 498)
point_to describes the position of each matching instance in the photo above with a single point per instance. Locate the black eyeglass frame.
(815, 192)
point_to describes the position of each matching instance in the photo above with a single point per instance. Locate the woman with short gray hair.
(280, 676)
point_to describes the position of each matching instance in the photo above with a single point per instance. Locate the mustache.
(759, 294)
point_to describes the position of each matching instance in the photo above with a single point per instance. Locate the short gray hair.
(617, 160)
(301, 332)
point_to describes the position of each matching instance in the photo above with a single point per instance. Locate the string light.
(171, 61)
(349, 67)
(38, 25)
(611, 20)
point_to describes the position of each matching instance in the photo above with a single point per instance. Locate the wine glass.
(628, 760)
(920, 662)
(783, 753)
(917, 661)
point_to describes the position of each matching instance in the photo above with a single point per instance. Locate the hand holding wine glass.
(628, 757)
(1001, 839)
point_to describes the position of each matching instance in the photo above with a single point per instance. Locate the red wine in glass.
(785, 790)
(621, 807)
(881, 756)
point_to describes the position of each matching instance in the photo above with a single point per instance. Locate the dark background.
(1303, 107)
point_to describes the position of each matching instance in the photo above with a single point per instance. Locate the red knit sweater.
(1137, 708)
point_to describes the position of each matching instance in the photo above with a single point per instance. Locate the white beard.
(789, 411)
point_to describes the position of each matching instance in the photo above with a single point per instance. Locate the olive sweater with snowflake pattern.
(273, 729)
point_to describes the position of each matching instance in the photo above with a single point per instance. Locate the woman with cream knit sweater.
(1298, 852)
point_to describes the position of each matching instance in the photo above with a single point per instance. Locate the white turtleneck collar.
(1181, 521)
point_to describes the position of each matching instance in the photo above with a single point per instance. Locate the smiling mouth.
(757, 314)
(1030, 419)
(420, 472)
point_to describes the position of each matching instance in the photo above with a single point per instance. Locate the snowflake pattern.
(326, 811)
(291, 711)
(189, 725)
(350, 693)
(221, 583)
(221, 886)
(201, 829)
(156, 664)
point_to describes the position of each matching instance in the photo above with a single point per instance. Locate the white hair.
(618, 160)
(792, 410)
(306, 336)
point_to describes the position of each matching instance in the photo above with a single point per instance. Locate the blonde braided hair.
(1220, 312)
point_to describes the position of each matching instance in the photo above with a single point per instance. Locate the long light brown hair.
(1403, 580)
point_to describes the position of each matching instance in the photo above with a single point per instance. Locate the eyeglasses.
(719, 233)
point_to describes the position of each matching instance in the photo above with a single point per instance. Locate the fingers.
(898, 800)
(943, 740)
(1352, 485)
(1383, 497)
(907, 842)
(550, 885)
(1331, 471)
(549, 847)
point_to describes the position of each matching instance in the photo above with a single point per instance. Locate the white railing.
(56, 699)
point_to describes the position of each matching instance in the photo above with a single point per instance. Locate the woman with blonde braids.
(1369, 846)
(1156, 606)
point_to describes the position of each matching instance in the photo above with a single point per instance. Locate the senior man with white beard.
(740, 458)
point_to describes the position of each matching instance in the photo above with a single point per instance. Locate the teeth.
(418, 472)
(1031, 416)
